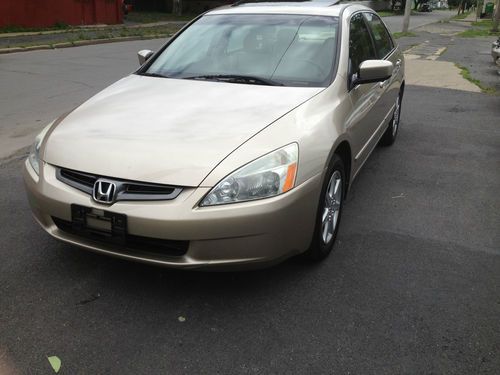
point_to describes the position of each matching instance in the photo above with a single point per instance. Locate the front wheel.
(392, 130)
(329, 210)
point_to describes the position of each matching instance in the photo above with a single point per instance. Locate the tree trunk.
(406, 19)
(496, 19)
(177, 7)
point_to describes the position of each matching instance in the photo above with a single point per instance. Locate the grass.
(152, 17)
(134, 17)
(483, 23)
(401, 34)
(118, 32)
(461, 16)
(386, 13)
(465, 72)
(474, 33)
(389, 13)
(123, 32)
(21, 29)
(480, 28)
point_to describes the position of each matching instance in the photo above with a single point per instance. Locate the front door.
(364, 117)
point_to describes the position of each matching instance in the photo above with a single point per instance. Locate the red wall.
(43, 13)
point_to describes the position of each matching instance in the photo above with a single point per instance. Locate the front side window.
(290, 50)
(382, 39)
(360, 43)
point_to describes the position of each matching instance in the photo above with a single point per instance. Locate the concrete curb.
(78, 43)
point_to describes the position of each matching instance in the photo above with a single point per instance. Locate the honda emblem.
(104, 191)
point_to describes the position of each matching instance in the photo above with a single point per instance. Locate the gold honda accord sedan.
(233, 146)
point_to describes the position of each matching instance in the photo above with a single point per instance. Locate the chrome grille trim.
(126, 190)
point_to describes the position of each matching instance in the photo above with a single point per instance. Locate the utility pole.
(496, 19)
(406, 19)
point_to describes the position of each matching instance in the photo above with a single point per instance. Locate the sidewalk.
(438, 57)
(471, 17)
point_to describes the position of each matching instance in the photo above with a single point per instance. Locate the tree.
(177, 7)
(496, 19)
(406, 19)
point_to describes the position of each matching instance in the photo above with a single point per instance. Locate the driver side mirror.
(144, 55)
(371, 71)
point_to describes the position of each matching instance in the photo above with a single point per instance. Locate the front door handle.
(398, 63)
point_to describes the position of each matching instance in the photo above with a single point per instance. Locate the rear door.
(385, 50)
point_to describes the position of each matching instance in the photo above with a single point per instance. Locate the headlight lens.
(34, 156)
(268, 176)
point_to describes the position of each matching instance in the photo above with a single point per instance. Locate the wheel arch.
(343, 150)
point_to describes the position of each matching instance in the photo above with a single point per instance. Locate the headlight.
(268, 176)
(34, 156)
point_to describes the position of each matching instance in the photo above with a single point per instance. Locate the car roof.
(320, 8)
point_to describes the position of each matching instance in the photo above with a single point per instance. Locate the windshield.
(291, 50)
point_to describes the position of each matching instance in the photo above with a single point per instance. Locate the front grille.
(138, 245)
(125, 190)
(82, 181)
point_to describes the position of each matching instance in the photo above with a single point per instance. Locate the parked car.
(495, 50)
(426, 7)
(397, 5)
(247, 130)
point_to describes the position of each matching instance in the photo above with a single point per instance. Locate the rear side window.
(360, 43)
(381, 37)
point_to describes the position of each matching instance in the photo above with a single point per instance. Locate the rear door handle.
(398, 63)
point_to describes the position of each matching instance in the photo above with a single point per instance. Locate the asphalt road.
(412, 288)
(395, 23)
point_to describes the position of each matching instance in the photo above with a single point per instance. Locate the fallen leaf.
(55, 362)
(399, 196)
(181, 319)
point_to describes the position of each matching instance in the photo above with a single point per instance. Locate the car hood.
(169, 131)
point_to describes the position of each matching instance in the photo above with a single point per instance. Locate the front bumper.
(241, 235)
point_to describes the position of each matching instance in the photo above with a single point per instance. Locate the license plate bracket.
(99, 222)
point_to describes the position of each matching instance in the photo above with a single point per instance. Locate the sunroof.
(322, 3)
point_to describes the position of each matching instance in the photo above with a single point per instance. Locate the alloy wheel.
(395, 120)
(331, 209)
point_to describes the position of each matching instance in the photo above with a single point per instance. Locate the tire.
(392, 130)
(322, 244)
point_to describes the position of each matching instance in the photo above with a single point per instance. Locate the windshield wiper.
(233, 78)
(147, 74)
